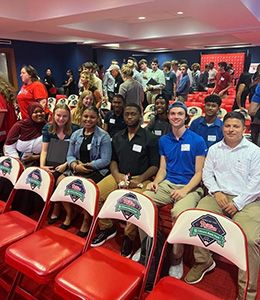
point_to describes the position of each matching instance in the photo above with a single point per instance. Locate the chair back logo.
(209, 230)
(76, 190)
(193, 111)
(6, 166)
(34, 179)
(129, 205)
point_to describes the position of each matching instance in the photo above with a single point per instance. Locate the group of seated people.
(209, 165)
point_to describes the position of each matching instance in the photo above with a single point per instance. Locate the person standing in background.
(132, 64)
(242, 90)
(175, 69)
(184, 84)
(156, 82)
(223, 80)
(32, 90)
(145, 71)
(109, 81)
(131, 90)
(49, 83)
(69, 84)
(254, 111)
(7, 110)
(169, 91)
(212, 75)
(203, 79)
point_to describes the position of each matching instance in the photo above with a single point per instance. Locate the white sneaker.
(176, 271)
(137, 255)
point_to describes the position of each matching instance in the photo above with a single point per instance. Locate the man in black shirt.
(114, 119)
(135, 160)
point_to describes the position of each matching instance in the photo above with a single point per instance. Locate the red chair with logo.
(101, 273)
(15, 225)
(208, 230)
(44, 253)
(197, 104)
(10, 170)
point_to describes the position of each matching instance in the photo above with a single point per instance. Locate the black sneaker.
(127, 247)
(103, 236)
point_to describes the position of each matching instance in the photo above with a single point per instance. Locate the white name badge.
(88, 147)
(158, 132)
(185, 147)
(222, 78)
(212, 138)
(112, 121)
(137, 148)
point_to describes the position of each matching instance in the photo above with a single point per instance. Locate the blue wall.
(60, 57)
(104, 56)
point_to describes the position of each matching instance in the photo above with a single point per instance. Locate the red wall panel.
(237, 59)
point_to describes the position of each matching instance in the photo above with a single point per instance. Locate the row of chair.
(45, 254)
(71, 101)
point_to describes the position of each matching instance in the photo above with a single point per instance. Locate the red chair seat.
(169, 288)
(2, 205)
(16, 226)
(55, 249)
(100, 274)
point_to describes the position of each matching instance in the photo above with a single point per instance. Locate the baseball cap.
(178, 104)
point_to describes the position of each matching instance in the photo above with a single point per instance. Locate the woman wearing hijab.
(24, 139)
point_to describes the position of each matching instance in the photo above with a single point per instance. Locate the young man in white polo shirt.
(232, 176)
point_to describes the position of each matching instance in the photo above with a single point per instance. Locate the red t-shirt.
(30, 93)
(9, 117)
(222, 81)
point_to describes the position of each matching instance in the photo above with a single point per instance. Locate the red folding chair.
(221, 113)
(10, 170)
(14, 225)
(101, 273)
(227, 107)
(197, 104)
(228, 101)
(208, 230)
(44, 253)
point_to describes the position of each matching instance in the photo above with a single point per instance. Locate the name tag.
(212, 138)
(88, 147)
(222, 78)
(185, 147)
(158, 132)
(112, 121)
(137, 148)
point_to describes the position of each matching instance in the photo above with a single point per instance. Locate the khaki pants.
(151, 95)
(106, 186)
(163, 197)
(249, 219)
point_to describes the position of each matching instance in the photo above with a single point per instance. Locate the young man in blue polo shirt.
(182, 155)
(210, 126)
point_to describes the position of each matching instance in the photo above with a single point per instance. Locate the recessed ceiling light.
(112, 45)
(141, 18)
(179, 12)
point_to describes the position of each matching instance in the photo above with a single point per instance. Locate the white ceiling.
(204, 23)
